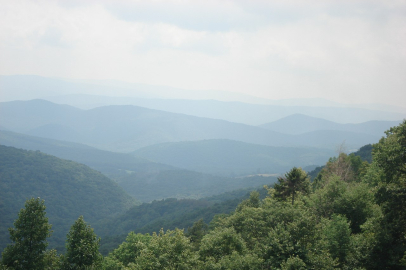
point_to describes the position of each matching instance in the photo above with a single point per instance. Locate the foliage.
(196, 232)
(365, 153)
(338, 235)
(128, 251)
(170, 250)
(221, 242)
(388, 176)
(52, 260)
(168, 213)
(349, 168)
(296, 180)
(353, 200)
(82, 247)
(29, 237)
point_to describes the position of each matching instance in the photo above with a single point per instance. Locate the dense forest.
(351, 216)
(69, 188)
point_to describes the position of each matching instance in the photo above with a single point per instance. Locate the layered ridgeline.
(69, 189)
(229, 106)
(232, 158)
(109, 163)
(301, 124)
(127, 128)
(143, 179)
(122, 128)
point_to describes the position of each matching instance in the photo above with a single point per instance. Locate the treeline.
(352, 216)
(168, 214)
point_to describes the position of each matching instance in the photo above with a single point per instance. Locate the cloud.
(347, 51)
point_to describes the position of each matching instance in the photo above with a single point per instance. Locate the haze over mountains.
(300, 123)
(225, 156)
(127, 128)
(234, 107)
(235, 111)
(149, 148)
(146, 180)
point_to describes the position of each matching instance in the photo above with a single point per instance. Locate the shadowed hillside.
(69, 189)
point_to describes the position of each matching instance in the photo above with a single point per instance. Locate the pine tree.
(296, 180)
(29, 235)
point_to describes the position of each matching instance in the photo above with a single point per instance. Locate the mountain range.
(128, 128)
(234, 107)
(239, 112)
(298, 124)
(143, 179)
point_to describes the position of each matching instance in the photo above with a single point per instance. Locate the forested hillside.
(185, 184)
(111, 164)
(140, 177)
(351, 216)
(232, 158)
(69, 189)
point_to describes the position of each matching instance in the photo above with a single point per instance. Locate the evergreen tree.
(29, 235)
(296, 180)
(82, 246)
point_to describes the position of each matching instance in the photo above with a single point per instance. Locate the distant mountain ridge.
(299, 123)
(230, 106)
(127, 128)
(238, 112)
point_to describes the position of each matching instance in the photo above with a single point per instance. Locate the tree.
(390, 153)
(338, 235)
(29, 235)
(170, 250)
(196, 232)
(388, 175)
(127, 252)
(296, 180)
(221, 242)
(82, 246)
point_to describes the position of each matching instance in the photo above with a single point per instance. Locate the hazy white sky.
(346, 51)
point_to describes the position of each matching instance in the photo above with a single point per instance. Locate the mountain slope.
(143, 179)
(109, 163)
(69, 189)
(183, 184)
(227, 157)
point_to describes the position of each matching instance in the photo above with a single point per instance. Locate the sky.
(345, 51)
